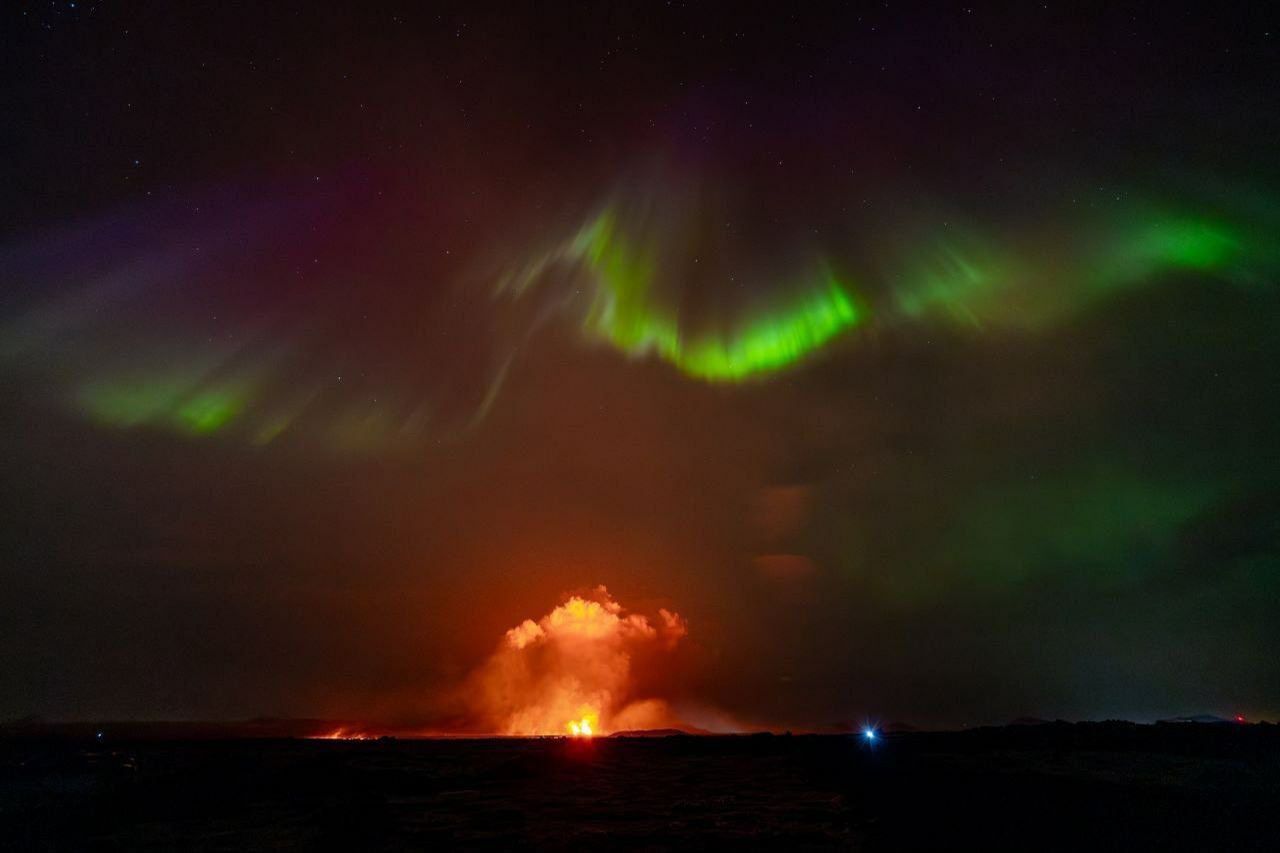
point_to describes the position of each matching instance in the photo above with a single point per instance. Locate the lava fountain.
(586, 668)
(582, 727)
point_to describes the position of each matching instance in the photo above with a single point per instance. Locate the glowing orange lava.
(342, 733)
(586, 668)
(584, 727)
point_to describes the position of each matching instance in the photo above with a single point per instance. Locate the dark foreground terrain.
(1050, 787)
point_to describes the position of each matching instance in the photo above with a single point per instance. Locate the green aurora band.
(169, 402)
(625, 313)
(967, 281)
(949, 275)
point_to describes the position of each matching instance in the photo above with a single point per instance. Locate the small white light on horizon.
(869, 733)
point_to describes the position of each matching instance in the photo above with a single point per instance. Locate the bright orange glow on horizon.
(342, 733)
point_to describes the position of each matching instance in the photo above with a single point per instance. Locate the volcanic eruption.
(586, 668)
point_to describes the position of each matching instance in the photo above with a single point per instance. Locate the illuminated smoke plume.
(587, 667)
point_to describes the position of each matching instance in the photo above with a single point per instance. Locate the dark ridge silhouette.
(898, 728)
(262, 727)
(1198, 718)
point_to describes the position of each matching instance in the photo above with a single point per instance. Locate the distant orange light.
(1239, 718)
(343, 734)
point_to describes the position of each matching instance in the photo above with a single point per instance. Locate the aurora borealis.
(627, 312)
(931, 277)
(922, 359)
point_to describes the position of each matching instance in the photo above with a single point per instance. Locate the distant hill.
(1028, 721)
(177, 729)
(1197, 718)
(654, 733)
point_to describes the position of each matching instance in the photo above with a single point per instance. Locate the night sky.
(924, 359)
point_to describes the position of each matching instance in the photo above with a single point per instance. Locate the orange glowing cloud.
(575, 671)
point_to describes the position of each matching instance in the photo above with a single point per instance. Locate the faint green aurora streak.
(969, 281)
